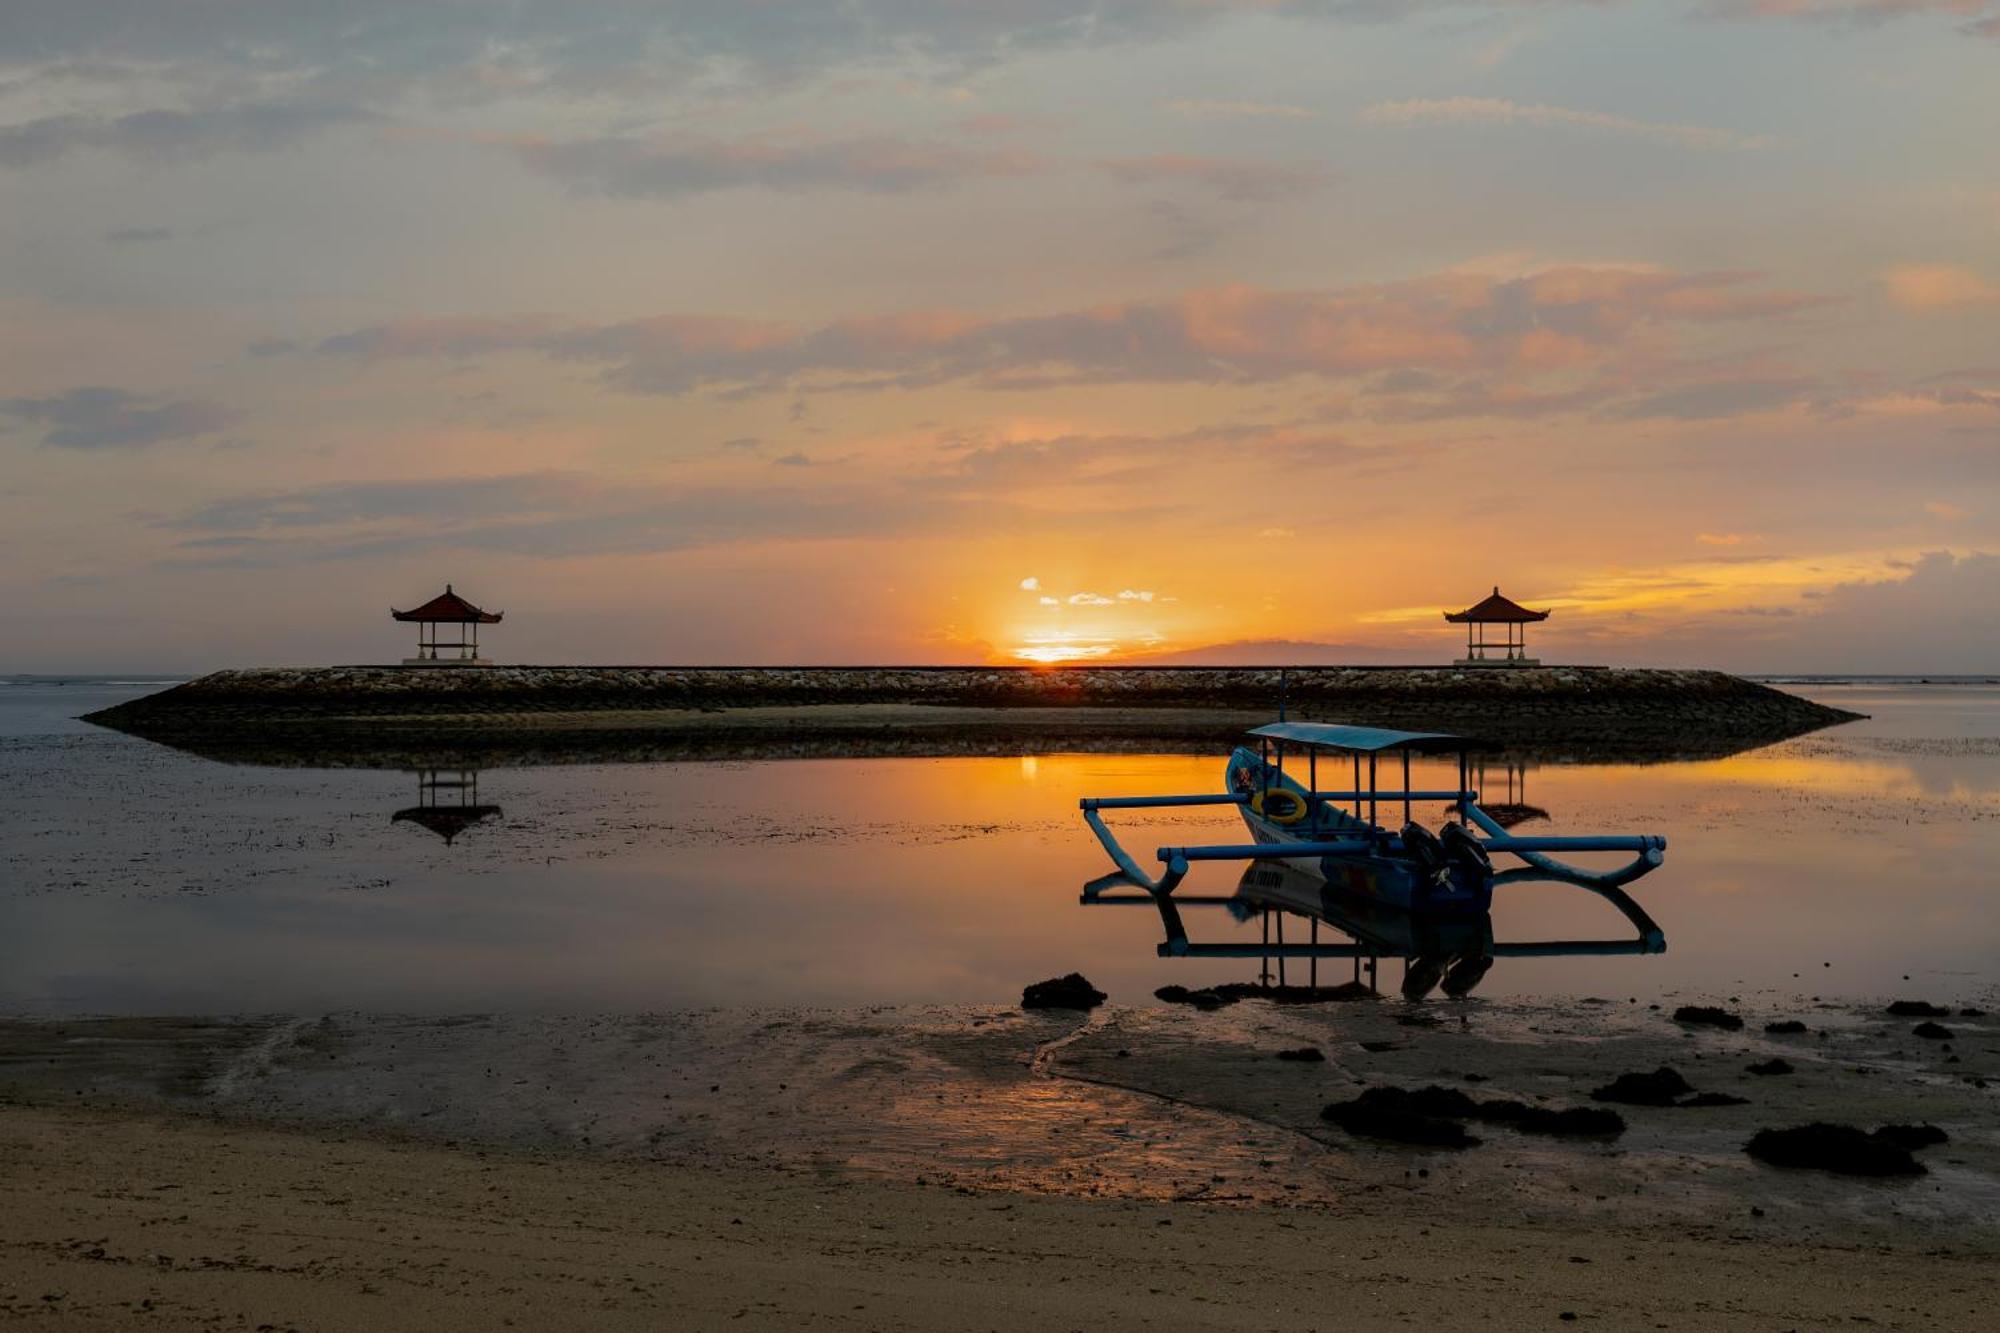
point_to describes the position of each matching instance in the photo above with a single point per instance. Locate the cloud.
(1031, 585)
(1048, 601)
(1130, 595)
(1499, 111)
(1723, 538)
(1717, 398)
(1943, 617)
(1945, 510)
(1560, 319)
(553, 514)
(173, 134)
(1226, 109)
(1927, 287)
(1849, 11)
(1088, 599)
(1254, 182)
(100, 417)
(642, 168)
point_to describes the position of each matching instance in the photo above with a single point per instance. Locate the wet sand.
(1139, 1165)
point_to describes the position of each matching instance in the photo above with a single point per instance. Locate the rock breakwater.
(1679, 711)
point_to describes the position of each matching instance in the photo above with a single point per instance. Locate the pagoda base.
(1498, 662)
(447, 661)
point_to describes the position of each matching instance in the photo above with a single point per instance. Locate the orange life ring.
(1297, 804)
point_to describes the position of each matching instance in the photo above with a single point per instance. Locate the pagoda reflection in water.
(447, 802)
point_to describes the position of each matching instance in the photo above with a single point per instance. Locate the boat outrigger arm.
(1362, 836)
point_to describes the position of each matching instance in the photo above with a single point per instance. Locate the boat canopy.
(1363, 740)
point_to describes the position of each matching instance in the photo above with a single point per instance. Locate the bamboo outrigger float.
(1337, 836)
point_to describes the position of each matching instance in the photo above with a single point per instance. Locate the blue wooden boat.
(1338, 834)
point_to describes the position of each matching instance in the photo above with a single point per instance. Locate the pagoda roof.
(451, 609)
(1495, 609)
(447, 821)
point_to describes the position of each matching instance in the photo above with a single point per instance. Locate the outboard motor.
(1421, 975)
(1425, 849)
(1466, 973)
(1464, 850)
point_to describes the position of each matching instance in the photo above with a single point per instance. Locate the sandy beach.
(113, 1220)
(1140, 1167)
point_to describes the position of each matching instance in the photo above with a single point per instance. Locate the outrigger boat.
(1454, 951)
(1337, 836)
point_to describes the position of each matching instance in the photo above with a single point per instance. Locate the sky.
(738, 331)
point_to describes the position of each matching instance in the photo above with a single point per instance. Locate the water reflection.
(141, 879)
(447, 803)
(1450, 953)
(1512, 808)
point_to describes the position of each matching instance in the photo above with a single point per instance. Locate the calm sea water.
(139, 879)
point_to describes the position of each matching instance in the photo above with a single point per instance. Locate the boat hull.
(1386, 876)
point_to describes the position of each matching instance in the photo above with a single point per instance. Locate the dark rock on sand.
(1431, 1106)
(1207, 997)
(1912, 1137)
(1970, 1012)
(1790, 1027)
(1568, 1122)
(1068, 992)
(1400, 1117)
(1701, 1099)
(1931, 1032)
(1214, 997)
(1708, 1016)
(1662, 1087)
(1311, 1055)
(1918, 1009)
(1773, 1066)
(1842, 1149)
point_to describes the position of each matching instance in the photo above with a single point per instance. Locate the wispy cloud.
(1258, 182)
(1560, 319)
(1231, 109)
(1928, 287)
(173, 134)
(633, 167)
(1500, 111)
(100, 417)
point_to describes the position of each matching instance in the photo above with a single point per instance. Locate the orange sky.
(1016, 332)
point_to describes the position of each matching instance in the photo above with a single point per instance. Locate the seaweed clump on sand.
(1912, 1137)
(1931, 1032)
(1842, 1149)
(1790, 1027)
(1215, 997)
(1662, 1087)
(1708, 1016)
(1311, 1055)
(1918, 1009)
(1065, 992)
(1431, 1116)
(1770, 1067)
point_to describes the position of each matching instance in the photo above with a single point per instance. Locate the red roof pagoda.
(1496, 610)
(447, 608)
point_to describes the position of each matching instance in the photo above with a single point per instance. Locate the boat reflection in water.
(447, 803)
(1448, 951)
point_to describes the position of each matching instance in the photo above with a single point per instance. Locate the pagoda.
(447, 608)
(1512, 646)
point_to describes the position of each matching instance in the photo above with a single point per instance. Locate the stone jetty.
(1585, 708)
